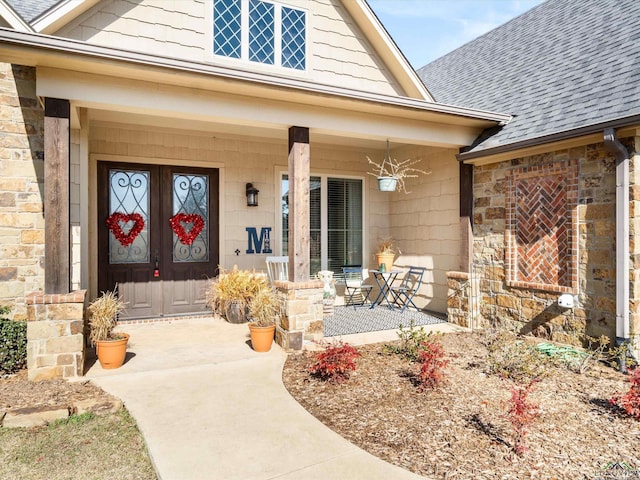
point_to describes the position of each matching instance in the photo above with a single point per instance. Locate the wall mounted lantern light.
(252, 195)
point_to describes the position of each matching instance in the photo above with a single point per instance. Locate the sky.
(427, 29)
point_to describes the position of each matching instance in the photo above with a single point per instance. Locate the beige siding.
(337, 51)
(340, 54)
(74, 209)
(424, 224)
(167, 28)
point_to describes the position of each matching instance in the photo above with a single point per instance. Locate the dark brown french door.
(157, 236)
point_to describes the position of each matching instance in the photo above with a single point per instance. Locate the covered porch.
(107, 114)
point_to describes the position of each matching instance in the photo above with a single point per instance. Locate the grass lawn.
(83, 447)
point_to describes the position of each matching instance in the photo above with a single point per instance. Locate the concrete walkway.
(209, 407)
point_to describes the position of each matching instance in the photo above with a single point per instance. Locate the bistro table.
(384, 281)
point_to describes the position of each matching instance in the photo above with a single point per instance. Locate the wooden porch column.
(56, 196)
(466, 217)
(299, 229)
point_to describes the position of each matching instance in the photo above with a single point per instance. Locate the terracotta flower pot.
(261, 337)
(387, 259)
(111, 353)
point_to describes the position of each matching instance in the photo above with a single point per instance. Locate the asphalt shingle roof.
(562, 65)
(29, 10)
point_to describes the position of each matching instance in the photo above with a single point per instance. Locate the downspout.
(612, 144)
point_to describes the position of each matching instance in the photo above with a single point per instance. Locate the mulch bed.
(16, 391)
(459, 430)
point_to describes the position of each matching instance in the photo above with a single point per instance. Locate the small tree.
(431, 357)
(521, 414)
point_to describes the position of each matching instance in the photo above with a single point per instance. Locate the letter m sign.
(260, 244)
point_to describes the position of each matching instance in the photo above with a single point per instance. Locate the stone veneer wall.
(529, 310)
(55, 340)
(460, 300)
(21, 187)
(303, 316)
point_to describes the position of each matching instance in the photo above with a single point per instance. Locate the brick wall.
(531, 310)
(21, 187)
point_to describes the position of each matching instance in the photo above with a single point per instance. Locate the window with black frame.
(340, 211)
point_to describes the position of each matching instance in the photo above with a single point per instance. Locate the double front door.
(157, 236)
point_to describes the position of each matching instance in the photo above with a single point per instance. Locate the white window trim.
(244, 38)
(324, 220)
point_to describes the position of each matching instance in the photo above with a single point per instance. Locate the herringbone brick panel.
(540, 229)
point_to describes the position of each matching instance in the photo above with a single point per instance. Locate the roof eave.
(496, 154)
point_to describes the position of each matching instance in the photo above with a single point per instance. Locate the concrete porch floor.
(210, 407)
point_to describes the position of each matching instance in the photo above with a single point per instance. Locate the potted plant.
(264, 309)
(385, 255)
(391, 173)
(111, 347)
(230, 293)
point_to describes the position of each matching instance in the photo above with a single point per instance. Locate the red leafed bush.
(521, 414)
(335, 362)
(431, 356)
(630, 401)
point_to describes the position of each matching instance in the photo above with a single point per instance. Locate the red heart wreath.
(113, 223)
(196, 228)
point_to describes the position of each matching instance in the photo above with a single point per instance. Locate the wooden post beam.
(299, 228)
(57, 277)
(466, 217)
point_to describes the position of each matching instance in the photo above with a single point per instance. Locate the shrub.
(411, 340)
(335, 362)
(630, 401)
(265, 307)
(521, 414)
(512, 358)
(234, 285)
(13, 344)
(433, 363)
(103, 316)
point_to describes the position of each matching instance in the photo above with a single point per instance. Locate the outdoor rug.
(348, 320)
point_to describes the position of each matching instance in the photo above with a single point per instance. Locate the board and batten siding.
(337, 50)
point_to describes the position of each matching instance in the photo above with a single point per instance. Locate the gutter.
(613, 145)
(58, 45)
(553, 137)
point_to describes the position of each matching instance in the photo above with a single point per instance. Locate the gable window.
(336, 226)
(260, 31)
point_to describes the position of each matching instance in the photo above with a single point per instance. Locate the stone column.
(303, 315)
(55, 339)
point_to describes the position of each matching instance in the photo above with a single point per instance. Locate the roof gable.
(563, 65)
(346, 45)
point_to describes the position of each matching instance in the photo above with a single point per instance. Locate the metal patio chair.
(277, 268)
(404, 293)
(355, 286)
